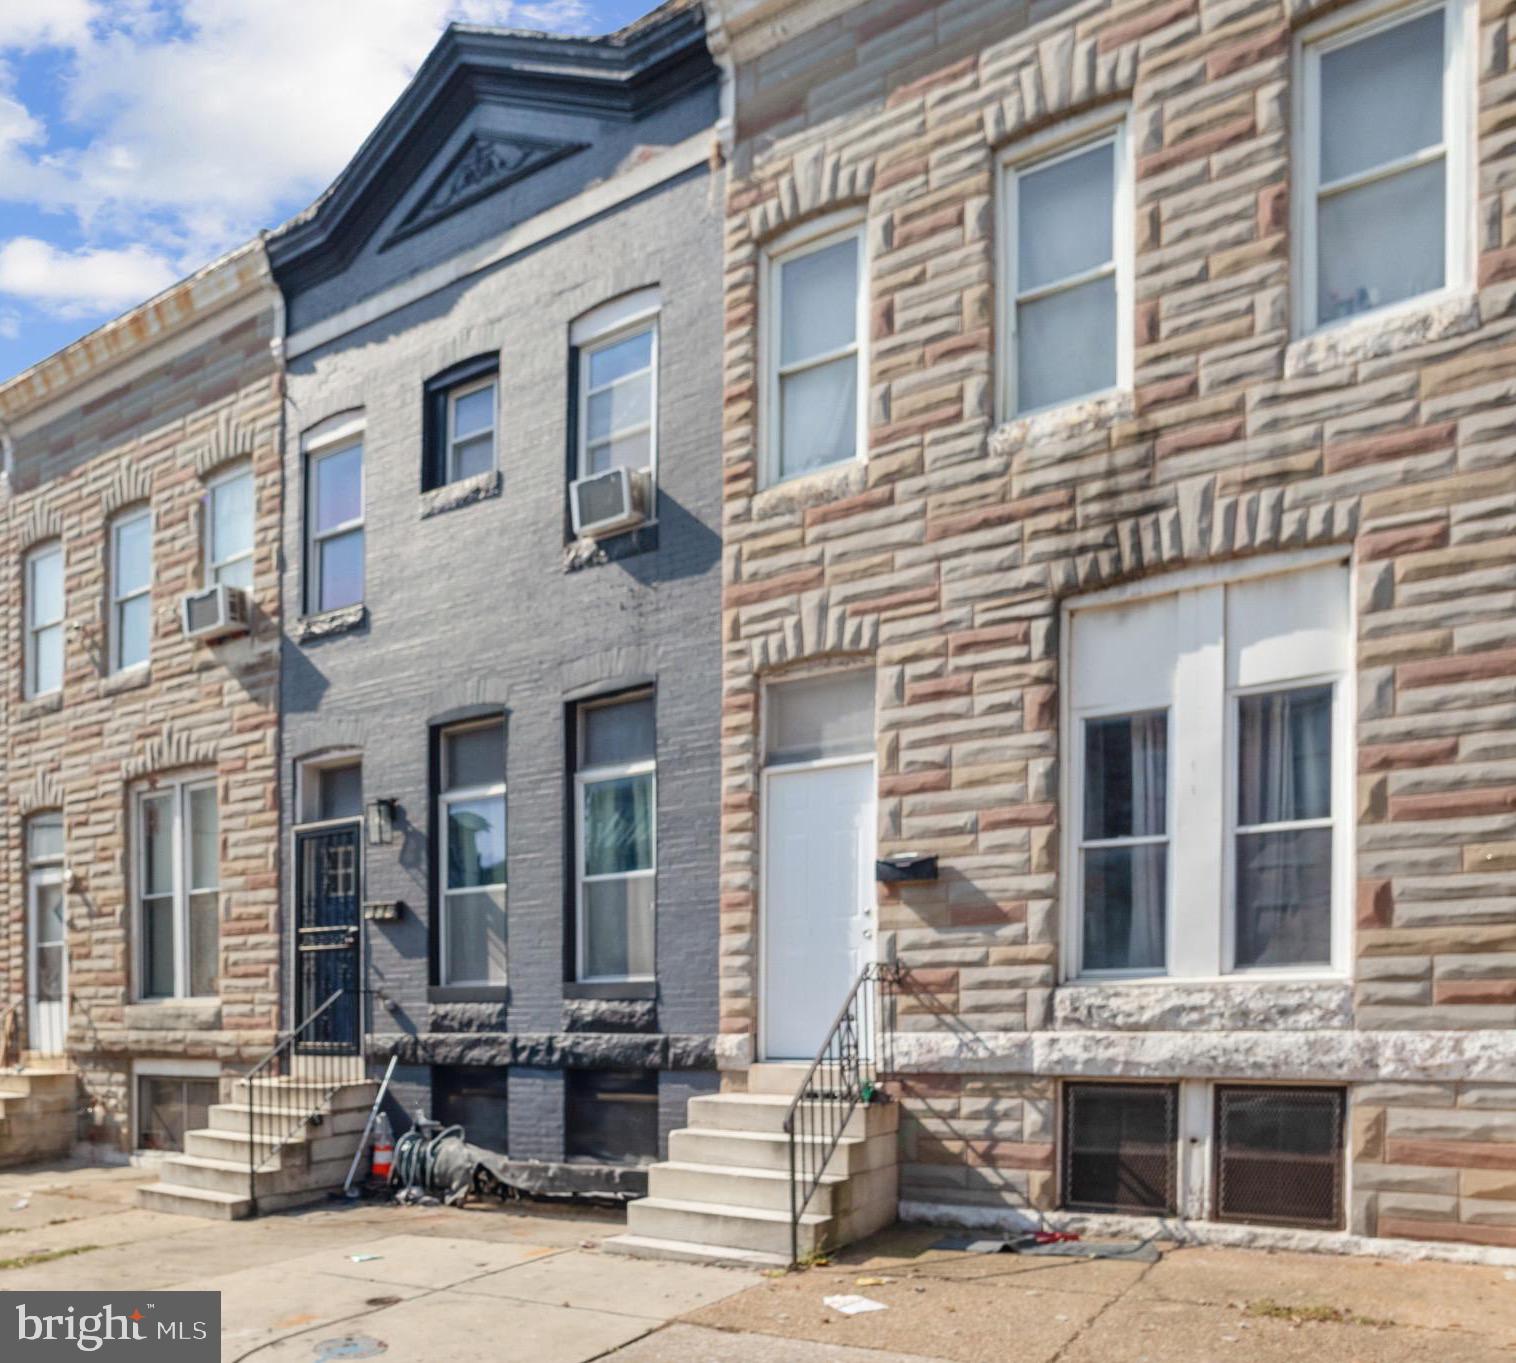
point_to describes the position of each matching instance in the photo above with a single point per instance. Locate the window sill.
(610, 989)
(1309, 1001)
(173, 1015)
(329, 624)
(1051, 425)
(464, 492)
(37, 706)
(1385, 332)
(130, 680)
(593, 553)
(804, 490)
(468, 993)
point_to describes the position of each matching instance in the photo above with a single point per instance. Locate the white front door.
(47, 967)
(818, 898)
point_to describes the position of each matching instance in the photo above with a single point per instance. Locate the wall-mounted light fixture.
(379, 820)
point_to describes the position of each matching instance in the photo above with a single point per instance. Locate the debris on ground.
(21, 1204)
(871, 1282)
(364, 1258)
(849, 1304)
(1059, 1244)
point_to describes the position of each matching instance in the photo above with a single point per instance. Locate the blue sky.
(140, 139)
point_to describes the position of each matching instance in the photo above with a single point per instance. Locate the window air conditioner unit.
(607, 502)
(214, 612)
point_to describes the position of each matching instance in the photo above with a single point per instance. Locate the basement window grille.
(1120, 1148)
(1279, 1155)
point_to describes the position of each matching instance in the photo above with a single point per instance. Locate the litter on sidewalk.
(850, 1304)
(1055, 1244)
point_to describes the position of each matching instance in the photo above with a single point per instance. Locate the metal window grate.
(1120, 1147)
(1279, 1155)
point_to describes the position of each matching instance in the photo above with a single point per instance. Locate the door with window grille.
(328, 897)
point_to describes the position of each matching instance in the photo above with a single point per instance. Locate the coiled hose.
(416, 1159)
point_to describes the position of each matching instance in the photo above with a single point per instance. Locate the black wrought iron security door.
(328, 897)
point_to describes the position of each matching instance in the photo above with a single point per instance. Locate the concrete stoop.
(210, 1177)
(39, 1111)
(723, 1196)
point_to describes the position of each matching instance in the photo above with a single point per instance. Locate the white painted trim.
(50, 872)
(329, 447)
(229, 474)
(1458, 148)
(177, 789)
(131, 515)
(446, 795)
(165, 1069)
(666, 165)
(644, 320)
(617, 314)
(31, 627)
(1210, 574)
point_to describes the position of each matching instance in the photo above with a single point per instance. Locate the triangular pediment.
(484, 165)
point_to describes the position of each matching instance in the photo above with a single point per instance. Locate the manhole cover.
(349, 1346)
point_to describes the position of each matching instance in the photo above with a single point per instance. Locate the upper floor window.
(1384, 204)
(44, 621)
(617, 349)
(616, 838)
(813, 382)
(177, 877)
(1209, 730)
(472, 932)
(229, 529)
(334, 519)
(131, 588)
(460, 422)
(1068, 282)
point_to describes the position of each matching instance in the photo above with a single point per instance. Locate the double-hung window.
(1208, 735)
(229, 529)
(44, 621)
(334, 516)
(615, 795)
(815, 380)
(471, 429)
(1384, 147)
(177, 877)
(131, 588)
(1065, 258)
(472, 868)
(617, 349)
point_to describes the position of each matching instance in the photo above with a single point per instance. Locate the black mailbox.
(905, 866)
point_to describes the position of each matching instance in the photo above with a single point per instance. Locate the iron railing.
(287, 1092)
(857, 1055)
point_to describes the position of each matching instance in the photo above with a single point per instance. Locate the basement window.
(613, 1116)
(473, 1097)
(169, 1106)
(1279, 1155)
(1120, 1145)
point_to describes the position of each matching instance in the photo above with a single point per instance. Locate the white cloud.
(28, 23)
(10, 324)
(80, 283)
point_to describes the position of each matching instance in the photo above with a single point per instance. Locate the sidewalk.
(447, 1285)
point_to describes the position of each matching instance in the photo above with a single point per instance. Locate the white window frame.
(178, 789)
(1200, 924)
(42, 871)
(323, 446)
(1070, 139)
(586, 776)
(613, 322)
(804, 241)
(165, 1069)
(33, 627)
(1459, 112)
(445, 798)
(452, 441)
(214, 566)
(117, 599)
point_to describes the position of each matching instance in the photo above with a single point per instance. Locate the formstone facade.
(948, 556)
(145, 413)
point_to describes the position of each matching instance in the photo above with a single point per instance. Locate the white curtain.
(1145, 944)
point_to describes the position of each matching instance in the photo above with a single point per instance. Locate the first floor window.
(335, 526)
(615, 796)
(44, 620)
(1208, 736)
(229, 529)
(473, 891)
(131, 588)
(178, 878)
(1384, 149)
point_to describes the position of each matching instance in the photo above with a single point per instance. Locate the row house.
(139, 947)
(1118, 481)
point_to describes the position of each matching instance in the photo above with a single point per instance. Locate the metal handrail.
(276, 1114)
(859, 1051)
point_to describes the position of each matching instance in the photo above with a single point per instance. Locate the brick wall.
(946, 556)
(90, 440)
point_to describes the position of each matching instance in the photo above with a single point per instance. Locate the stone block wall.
(142, 413)
(945, 557)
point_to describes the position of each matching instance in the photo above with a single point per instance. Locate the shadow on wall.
(688, 547)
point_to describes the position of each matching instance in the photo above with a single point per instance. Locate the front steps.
(210, 1177)
(723, 1196)
(39, 1111)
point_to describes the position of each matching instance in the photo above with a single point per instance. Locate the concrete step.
(777, 1076)
(203, 1202)
(234, 1117)
(767, 1189)
(230, 1176)
(233, 1149)
(767, 1111)
(24, 1082)
(688, 1252)
(771, 1150)
(723, 1223)
(297, 1092)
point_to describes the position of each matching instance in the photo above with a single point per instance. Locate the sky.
(140, 139)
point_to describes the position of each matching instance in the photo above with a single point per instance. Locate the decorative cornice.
(171, 750)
